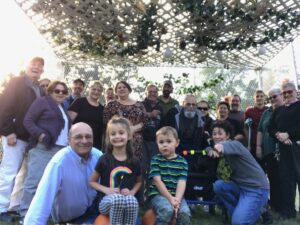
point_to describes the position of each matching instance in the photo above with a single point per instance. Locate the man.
(154, 111)
(44, 83)
(187, 120)
(253, 115)
(18, 95)
(235, 109)
(77, 89)
(165, 100)
(109, 95)
(64, 190)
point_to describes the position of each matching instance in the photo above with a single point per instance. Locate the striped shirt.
(170, 171)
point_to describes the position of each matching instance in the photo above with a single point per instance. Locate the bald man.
(64, 190)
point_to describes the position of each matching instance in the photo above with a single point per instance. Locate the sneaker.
(267, 218)
(21, 220)
(5, 217)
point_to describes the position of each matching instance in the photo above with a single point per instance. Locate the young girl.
(246, 193)
(119, 173)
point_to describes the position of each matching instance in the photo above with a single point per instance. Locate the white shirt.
(64, 189)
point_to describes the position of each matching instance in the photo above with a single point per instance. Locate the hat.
(168, 82)
(79, 81)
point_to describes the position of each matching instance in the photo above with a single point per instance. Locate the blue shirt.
(64, 189)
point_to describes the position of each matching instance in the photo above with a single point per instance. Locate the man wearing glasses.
(17, 97)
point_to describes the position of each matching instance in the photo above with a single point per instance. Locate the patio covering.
(227, 33)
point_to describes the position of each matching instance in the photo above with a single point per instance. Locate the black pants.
(271, 166)
(289, 172)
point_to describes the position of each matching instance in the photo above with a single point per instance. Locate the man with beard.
(77, 89)
(187, 120)
(165, 100)
(235, 109)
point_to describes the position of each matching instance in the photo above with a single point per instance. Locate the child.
(168, 174)
(119, 173)
(246, 194)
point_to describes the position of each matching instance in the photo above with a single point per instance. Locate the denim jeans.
(244, 204)
(164, 211)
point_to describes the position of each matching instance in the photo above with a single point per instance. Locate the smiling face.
(152, 93)
(81, 139)
(259, 98)
(95, 91)
(222, 111)
(219, 134)
(59, 93)
(122, 91)
(235, 103)
(289, 95)
(35, 69)
(167, 145)
(77, 88)
(118, 135)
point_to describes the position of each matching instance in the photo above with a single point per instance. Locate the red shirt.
(255, 114)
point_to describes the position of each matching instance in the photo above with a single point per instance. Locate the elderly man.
(18, 95)
(154, 111)
(235, 109)
(165, 100)
(77, 89)
(64, 189)
(187, 120)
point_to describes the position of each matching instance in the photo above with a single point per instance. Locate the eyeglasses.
(272, 97)
(203, 108)
(57, 91)
(287, 92)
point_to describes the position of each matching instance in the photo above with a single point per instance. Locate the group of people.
(72, 157)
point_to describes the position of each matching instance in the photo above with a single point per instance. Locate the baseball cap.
(168, 82)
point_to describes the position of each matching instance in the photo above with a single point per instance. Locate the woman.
(223, 109)
(132, 110)
(266, 146)
(89, 110)
(285, 127)
(48, 125)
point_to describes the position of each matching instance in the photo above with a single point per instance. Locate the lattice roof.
(164, 32)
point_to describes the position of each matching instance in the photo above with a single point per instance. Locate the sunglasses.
(287, 92)
(57, 91)
(203, 108)
(272, 97)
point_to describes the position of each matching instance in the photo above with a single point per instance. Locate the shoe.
(21, 220)
(5, 217)
(267, 218)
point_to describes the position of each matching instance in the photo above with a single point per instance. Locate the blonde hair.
(167, 130)
(96, 82)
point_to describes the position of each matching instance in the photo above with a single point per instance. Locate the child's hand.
(174, 202)
(125, 191)
(219, 148)
(213, 154)
(110, 191)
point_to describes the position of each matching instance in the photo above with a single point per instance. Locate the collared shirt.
(64, 189)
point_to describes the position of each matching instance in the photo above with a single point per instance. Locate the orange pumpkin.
(102, 220)
(150, 217)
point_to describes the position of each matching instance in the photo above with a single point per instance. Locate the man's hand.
(154, 113)
(282, 136)
(213, 154)
(11, 139)
(258, 152)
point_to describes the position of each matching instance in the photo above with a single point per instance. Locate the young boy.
(168, 174)
(246, 192)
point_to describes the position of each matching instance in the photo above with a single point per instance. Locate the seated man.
(64, 190)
